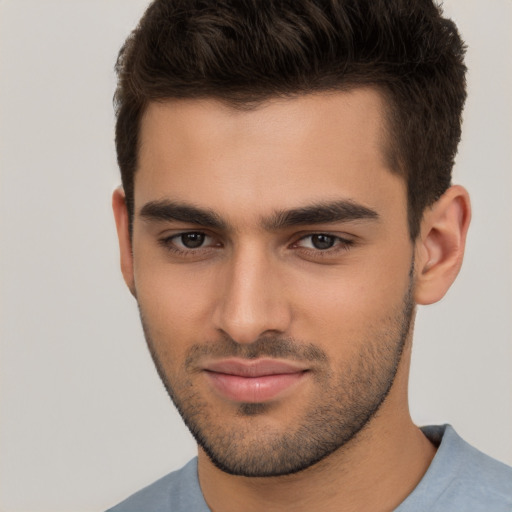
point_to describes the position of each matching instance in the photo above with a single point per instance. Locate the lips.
(256, 381)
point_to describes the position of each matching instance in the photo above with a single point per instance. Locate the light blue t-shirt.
(459, 479)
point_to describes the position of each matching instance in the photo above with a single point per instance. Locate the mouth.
(255, 381)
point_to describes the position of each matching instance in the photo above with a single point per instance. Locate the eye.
(323, 242)
(188, 241)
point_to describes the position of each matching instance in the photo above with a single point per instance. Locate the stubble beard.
(349, 397)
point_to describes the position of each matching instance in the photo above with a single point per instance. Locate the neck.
(375, 471)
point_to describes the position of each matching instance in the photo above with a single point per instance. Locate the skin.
(251, 281)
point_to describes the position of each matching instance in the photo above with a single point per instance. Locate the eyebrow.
(172, 211)
(318, 213)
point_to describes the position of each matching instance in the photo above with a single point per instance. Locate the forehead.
(282, 154)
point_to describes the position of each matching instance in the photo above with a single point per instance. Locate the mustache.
(265, 346)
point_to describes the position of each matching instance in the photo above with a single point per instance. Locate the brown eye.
(322, 241)
(192, 240)
(190, 244)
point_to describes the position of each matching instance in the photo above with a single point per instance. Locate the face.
(272, 268)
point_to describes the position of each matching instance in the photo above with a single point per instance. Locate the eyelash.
(169, 244)
(340, 245)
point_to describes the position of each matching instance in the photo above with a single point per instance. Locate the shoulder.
(461, 478)
(178, 491)
(483, 478)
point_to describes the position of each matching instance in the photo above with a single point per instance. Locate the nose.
(253, 301)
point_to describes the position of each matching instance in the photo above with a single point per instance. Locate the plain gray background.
(84, 419)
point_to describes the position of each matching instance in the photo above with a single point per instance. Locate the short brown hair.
(245, 51)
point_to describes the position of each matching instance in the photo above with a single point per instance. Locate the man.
(286, 204)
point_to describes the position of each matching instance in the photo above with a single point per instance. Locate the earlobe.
(440, 245)
(123, 235)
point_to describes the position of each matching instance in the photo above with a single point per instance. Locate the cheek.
(348, 305)
(174, 303)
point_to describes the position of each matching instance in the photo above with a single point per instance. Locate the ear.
(440, 245)
(123, 235)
